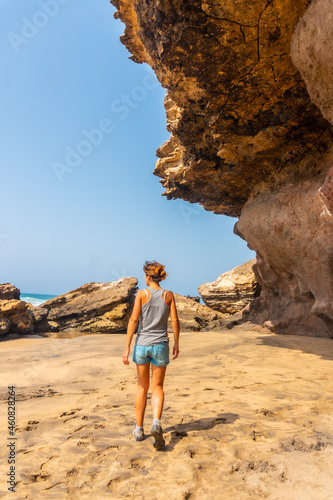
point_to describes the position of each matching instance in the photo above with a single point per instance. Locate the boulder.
(91, 308)
(15, 317)
(232, 291)
(9, 292)
(15, 314)
(196, 317)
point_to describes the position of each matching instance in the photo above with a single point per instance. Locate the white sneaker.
(138, 434)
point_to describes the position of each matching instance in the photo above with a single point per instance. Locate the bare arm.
(175, 326)
(131, 327)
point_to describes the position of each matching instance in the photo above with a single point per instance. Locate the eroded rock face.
(197, 317)
(94, 308)
(232, 291)
(291, 231)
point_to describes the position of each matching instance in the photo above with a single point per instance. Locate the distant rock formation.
(15, 314)
(197, 317)
(94, 308)
(9, 292)
(232, 291)
(196, 298)
(106, 308)
(247, 139)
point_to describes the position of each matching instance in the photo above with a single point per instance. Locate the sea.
(36, 299)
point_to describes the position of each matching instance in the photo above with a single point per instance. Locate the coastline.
(246, 415)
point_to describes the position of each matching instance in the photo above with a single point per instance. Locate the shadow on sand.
(322, 347)
(179, 431)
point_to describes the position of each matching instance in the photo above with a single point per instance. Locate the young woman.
(151, 310)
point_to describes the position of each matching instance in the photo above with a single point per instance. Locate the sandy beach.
(246, 415)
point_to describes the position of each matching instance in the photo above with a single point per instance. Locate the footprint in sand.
(82, 444)
(34, 478)
(32, 424)
(190, 452)
(266, 413)
(88, 391)
(71, 412)
(107, 407)
(72, 472)
(78, 429)
(138, 463)
(99, 426)
(219, 420)
(24, 451)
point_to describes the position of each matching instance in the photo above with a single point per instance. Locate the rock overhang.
(238, 111)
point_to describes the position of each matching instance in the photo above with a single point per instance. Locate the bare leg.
(157, 399)
(141, 394)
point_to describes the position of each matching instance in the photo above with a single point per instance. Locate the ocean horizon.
(36, 299)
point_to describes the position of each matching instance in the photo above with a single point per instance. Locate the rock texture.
(291, 231)
(15, 314)
(232, 291)
(197, 317)
(9, 292)
(311, 52)
(94, 307)
(246, 139)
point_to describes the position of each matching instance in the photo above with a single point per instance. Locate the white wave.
(33, 301)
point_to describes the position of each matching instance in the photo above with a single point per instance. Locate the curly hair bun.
(155, 270)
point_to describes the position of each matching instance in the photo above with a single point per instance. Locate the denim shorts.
(157, 355)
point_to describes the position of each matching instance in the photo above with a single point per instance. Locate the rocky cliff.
(247, 139)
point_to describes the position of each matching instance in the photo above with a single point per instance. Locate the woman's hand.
(125, 356)
(175, 351)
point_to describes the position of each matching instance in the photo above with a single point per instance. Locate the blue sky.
(80, 124)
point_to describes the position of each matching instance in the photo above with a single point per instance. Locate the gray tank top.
(153, 322)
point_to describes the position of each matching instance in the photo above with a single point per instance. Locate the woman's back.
(153, 322)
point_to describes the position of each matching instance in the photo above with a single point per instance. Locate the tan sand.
(247, 416)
